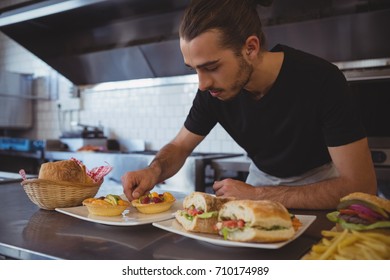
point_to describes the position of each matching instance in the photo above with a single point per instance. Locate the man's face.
(220, 71)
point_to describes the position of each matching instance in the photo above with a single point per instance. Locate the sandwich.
(255, 221)
(361, 211)
(200, 213)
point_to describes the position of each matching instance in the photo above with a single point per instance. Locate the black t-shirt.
(287, 132)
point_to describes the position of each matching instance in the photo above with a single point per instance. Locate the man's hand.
(137, 183)
(234, 188)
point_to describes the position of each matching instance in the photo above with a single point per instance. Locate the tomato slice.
(234, 223)
(241, 223)
(367, 217)
(348, 212)
(359, 214)
(194, 211)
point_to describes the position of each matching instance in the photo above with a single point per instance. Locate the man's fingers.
(217, 185)
(141, 189)
(128, 192)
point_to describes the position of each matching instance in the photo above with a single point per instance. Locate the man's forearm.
(321, 195)
(168, 161)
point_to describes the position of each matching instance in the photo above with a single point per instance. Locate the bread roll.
(372, 199)
(257, 213)
(261, 236)
(65, 170)
(204, 201)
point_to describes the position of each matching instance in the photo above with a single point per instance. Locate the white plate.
(130, 217)
(173, 226)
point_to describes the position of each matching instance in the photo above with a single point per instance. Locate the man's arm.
(166, 163)
(172, 156)
(356, 174)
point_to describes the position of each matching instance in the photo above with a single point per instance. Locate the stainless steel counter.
(9, 177)
(27, 232)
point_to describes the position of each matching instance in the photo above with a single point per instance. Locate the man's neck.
(265, 74)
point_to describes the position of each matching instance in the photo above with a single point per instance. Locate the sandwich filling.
(360, 215)
(192, 212)
(228, 226)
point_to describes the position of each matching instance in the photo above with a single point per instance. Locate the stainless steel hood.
(95, 41)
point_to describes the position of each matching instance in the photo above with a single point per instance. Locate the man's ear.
(252, 46)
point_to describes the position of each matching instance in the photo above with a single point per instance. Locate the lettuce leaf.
(205, 215)
(188, 217)
(225, 231)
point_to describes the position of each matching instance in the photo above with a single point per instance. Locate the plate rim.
(105, 220)
(217, 240)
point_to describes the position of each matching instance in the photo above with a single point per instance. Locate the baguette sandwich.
(255, 221)
(361, 211)
(200, 213)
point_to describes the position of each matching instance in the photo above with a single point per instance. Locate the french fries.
(351, 245)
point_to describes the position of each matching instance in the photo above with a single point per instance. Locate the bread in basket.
(60, 184)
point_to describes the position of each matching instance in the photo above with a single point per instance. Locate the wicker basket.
(50, 195)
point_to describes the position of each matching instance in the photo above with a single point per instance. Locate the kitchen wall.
(154, 114)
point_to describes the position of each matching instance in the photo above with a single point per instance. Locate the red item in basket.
(96, 173)
(23, 174)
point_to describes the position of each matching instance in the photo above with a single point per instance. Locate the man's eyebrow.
(208, 63)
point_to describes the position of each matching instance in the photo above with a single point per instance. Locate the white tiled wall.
(154, 114)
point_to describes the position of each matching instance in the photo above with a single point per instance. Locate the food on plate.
(66, 171)
(351, 245)
(361, 211)
(200, 213)
(361, 232)
(109, 205)
(296, 223)
(154, 202)
(255, 221)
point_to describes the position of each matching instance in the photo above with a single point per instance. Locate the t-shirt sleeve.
(341, 124)
(201, 118)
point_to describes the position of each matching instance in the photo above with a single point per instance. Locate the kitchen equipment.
(21, 153)
(371, 94)
(16, 108)
(54, 145)
(77, 41)
(73, 144)
(21, 144)
(84, 135)
(84, 131)
(233, 167)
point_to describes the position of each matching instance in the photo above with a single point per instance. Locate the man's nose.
(205, 81)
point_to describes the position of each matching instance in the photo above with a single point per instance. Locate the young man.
(289, 110)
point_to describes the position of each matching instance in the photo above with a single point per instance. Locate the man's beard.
(244, 74)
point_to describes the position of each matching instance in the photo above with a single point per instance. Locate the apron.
(258, 178)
